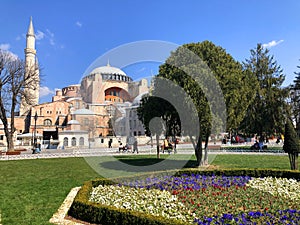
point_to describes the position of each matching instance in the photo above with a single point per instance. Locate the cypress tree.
(291, 144)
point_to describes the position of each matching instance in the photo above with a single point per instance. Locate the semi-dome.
(108, 70)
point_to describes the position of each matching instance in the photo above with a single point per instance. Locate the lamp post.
(35, 119)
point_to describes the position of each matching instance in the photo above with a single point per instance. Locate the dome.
(73, 122)
(108, 70)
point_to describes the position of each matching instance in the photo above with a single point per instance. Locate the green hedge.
(244, 172)
(85, 210)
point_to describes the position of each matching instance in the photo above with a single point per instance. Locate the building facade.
(81, 115)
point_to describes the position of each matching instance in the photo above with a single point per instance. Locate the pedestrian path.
(64, 153)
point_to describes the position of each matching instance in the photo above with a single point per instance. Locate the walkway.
(59, 153)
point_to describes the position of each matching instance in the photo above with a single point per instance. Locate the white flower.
(281, 187)
(155, 202)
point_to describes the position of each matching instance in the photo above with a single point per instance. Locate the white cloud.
(272, 44)
(79, 24)
(5, 47)
(51, 41)
(51, 37)
(50, 33)
(18, 38)
(39, 35)
(44, 91)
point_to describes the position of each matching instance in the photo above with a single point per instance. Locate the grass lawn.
(252, 161)
(32, 190)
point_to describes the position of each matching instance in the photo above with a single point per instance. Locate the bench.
(214, 147)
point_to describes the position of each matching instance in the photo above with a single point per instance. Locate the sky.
(71, 35)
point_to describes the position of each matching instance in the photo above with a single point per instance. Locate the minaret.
(31, 64)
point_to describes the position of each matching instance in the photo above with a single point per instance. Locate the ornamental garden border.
(85, 210)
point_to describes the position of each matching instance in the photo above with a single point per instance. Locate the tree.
(291, 144)
(197, 75)
(237, 85)
(152, 107)
(17, 81)
(269, 109)
(295, 101)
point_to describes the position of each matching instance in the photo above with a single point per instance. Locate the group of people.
(127, 147)
(168, 146)
(133, 145)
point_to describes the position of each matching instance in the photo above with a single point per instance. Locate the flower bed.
(199, 199)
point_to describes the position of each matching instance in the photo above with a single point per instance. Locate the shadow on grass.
(109, 166)
(147, 165)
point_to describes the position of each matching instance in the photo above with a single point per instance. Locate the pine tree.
(268, 112)
(295, 101)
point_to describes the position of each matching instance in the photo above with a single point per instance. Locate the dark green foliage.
(220, 90)
(151, 107)
(291, 144)
(266, 115)
(295, 101)
(245, 172)
(237, 85)
(153, 111)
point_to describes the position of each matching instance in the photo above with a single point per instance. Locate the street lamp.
(35, 119)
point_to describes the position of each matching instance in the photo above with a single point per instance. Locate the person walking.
(135, 146)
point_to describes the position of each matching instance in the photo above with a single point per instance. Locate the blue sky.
(72, 34)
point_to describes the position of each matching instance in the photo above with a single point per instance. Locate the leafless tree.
(17, 81)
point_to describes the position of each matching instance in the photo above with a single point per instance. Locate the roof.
(138, 98)
(66, 132)
(29, 135)
(30, 28)
(73, 98)
(108, 70)
(83, 112)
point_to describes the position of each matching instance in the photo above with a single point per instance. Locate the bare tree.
(17, 81)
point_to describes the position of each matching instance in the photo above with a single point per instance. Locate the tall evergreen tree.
(291, 144)
(268, 112)
(295, 101)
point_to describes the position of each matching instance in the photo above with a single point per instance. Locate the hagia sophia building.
(100, 109)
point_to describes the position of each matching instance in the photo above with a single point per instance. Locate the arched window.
(47, 122)
(66, 142)
(73, 142)
(81, 141)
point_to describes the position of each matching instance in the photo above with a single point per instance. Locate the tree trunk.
(198, 151)
(296, 161)
(8, 135)
(292, 161)
(205, 161)
(10, 142)
(174, 138)
(12, 124)
(157, 146)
